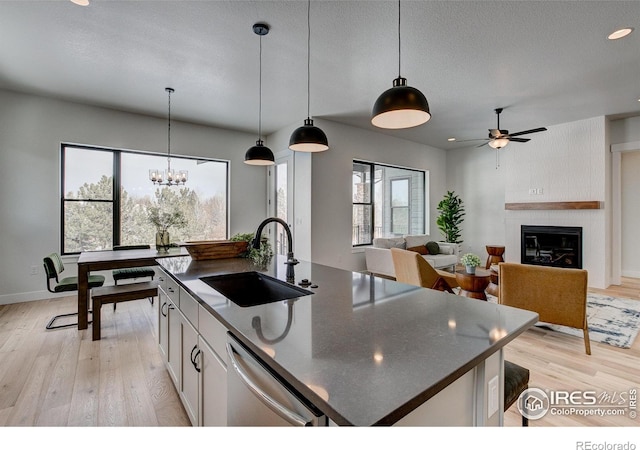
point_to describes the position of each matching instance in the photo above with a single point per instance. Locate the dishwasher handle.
(288, 415)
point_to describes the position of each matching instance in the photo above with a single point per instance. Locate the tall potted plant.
(451, 217)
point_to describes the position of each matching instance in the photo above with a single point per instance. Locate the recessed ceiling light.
(451, 139)
(619, 34)
(81, 2)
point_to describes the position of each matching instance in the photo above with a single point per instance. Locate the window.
(106, 195)
(387, 201)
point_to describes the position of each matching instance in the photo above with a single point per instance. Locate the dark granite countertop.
(362, 349)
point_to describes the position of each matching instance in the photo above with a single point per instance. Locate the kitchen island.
(360, 349)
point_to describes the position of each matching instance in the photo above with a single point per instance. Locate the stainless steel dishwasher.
(257, 397)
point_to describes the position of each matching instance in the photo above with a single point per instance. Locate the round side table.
(495, 255)
(473, 286)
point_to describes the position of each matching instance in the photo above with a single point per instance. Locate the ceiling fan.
(500, 138)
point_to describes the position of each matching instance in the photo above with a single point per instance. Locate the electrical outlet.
(34, 270)
(493, 399)
(532, 191)
(539, 191)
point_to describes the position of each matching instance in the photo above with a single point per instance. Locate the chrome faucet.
(291, 261)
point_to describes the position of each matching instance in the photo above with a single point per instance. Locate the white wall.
(569, 162)
(31, 130)
(630, 214)
(332, 186)
(330, 203)
(625, 130)
(625, 135)
(473, 175)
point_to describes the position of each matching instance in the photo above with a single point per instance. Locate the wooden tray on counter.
(200, 250)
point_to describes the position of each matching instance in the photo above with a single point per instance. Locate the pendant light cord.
(169, 133)
(308, 59)
(399, 49)
(260, 96)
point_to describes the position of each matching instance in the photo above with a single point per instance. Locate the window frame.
(370, 203)
(407, 207)
(372, 167)
(117, 184)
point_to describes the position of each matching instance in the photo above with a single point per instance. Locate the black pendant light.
(259, 155)
(308, 138)
(401, 106)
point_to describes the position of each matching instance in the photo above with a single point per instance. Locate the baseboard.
(631, 274)
(23, 297)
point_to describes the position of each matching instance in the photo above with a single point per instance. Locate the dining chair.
(132, 273)
(53, 267)
(411, 268)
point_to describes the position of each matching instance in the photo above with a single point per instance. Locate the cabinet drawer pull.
(162, 309)
(194, 357)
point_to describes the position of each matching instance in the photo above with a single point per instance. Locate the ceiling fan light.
(308, 138)
(400, 107)
(619, 34)
(259, 155)
(498, 143)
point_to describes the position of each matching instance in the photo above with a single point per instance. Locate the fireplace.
(551, 246)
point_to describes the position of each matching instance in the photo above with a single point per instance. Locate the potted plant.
(470, 262)
(162, 220)
(260, 257)
(451, 217)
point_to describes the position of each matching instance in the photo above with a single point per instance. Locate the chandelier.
(170, 177)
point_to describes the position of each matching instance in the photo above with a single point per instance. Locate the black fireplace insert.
(551, 246)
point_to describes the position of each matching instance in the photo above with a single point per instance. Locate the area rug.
(614, 321)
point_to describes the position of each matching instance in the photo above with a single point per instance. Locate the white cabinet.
(169, 327)
(192, 344)
(213, 396)
(163, 325)
(174, 343)
(190, 384)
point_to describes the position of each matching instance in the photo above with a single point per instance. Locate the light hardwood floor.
(52, 378)
(558, 362)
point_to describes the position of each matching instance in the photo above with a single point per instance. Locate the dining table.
(113, 259)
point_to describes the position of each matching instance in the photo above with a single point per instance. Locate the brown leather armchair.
(411, 268)
(558, 295)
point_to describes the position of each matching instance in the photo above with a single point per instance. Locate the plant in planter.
(470, 261)
(451, 217)
(260, 257)
(162, 220)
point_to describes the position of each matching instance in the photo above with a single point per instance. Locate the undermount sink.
(253, 288)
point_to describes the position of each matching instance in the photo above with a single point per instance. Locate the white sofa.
(379, 261)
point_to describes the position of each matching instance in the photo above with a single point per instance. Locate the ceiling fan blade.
(534, 130)
(482, 145)
(472, 140)
(512, 139)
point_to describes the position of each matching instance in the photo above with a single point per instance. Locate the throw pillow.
(433, 248)
(414, 240)
(446, 250)
(422, 249)
(397, 243)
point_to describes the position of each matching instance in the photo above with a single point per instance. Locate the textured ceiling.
(545, 62)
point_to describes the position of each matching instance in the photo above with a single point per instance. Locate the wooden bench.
(116, 294)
